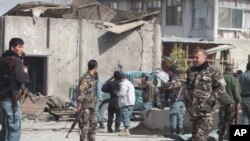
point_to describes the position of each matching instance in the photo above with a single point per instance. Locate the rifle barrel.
(78, 116)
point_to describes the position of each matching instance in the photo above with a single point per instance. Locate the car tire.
(104, 110)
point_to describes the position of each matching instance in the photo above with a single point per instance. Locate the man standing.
(126, 100)
(86, 101)
(99, 100)
(245, 95)
(228, 102)
(113, 87)
(148, 92)
(13, 74)
(205, 85)
(177, 107)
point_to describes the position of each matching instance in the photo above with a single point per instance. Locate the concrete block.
(157, 119)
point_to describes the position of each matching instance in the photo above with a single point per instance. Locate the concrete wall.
(133, 49)
(69, 44)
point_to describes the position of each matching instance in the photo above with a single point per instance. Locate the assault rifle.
(235, 117)
(26, 93)
(78, 115)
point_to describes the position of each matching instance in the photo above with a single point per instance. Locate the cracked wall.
(68, 44)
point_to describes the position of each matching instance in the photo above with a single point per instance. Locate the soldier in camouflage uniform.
(228, 102)
(205, 84)
(86, 100)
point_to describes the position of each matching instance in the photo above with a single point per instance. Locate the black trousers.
(114, 109)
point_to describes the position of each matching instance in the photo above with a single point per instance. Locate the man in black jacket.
(113, 87)
(13, 75)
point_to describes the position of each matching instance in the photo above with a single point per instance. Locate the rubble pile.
(38, 117)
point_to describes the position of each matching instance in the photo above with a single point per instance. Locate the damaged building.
(60, 40)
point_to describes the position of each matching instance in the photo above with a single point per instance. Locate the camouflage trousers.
(201, 127)
(226, 118)
(87, 125)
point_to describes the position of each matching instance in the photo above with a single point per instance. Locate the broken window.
(230, 18)
(136, 6)
(174, 12)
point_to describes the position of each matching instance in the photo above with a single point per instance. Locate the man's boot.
(220, 138)
(117, 128)
(125, 132)
(101, 125)
(179, 131)
(110, 130)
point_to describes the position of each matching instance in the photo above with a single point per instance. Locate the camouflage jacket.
(148, 91)
(205, 86)
(87, 91)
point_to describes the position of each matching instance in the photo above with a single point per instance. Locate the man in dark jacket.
(228, 102)
(113, 87)
(245, 95)
(148, 92)
(13, 74)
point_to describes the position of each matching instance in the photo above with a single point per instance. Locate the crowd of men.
(197, 91)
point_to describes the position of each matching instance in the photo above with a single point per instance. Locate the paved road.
(55, 131)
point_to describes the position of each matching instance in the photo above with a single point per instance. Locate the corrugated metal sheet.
(189, 40)
(219, 48)
(180, 39)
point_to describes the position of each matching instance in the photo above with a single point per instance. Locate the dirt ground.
(57, 131)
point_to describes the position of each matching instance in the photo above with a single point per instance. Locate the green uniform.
(87, 99)
(205, 85)
(227, 103)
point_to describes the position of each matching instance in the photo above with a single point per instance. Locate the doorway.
(37, 67)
